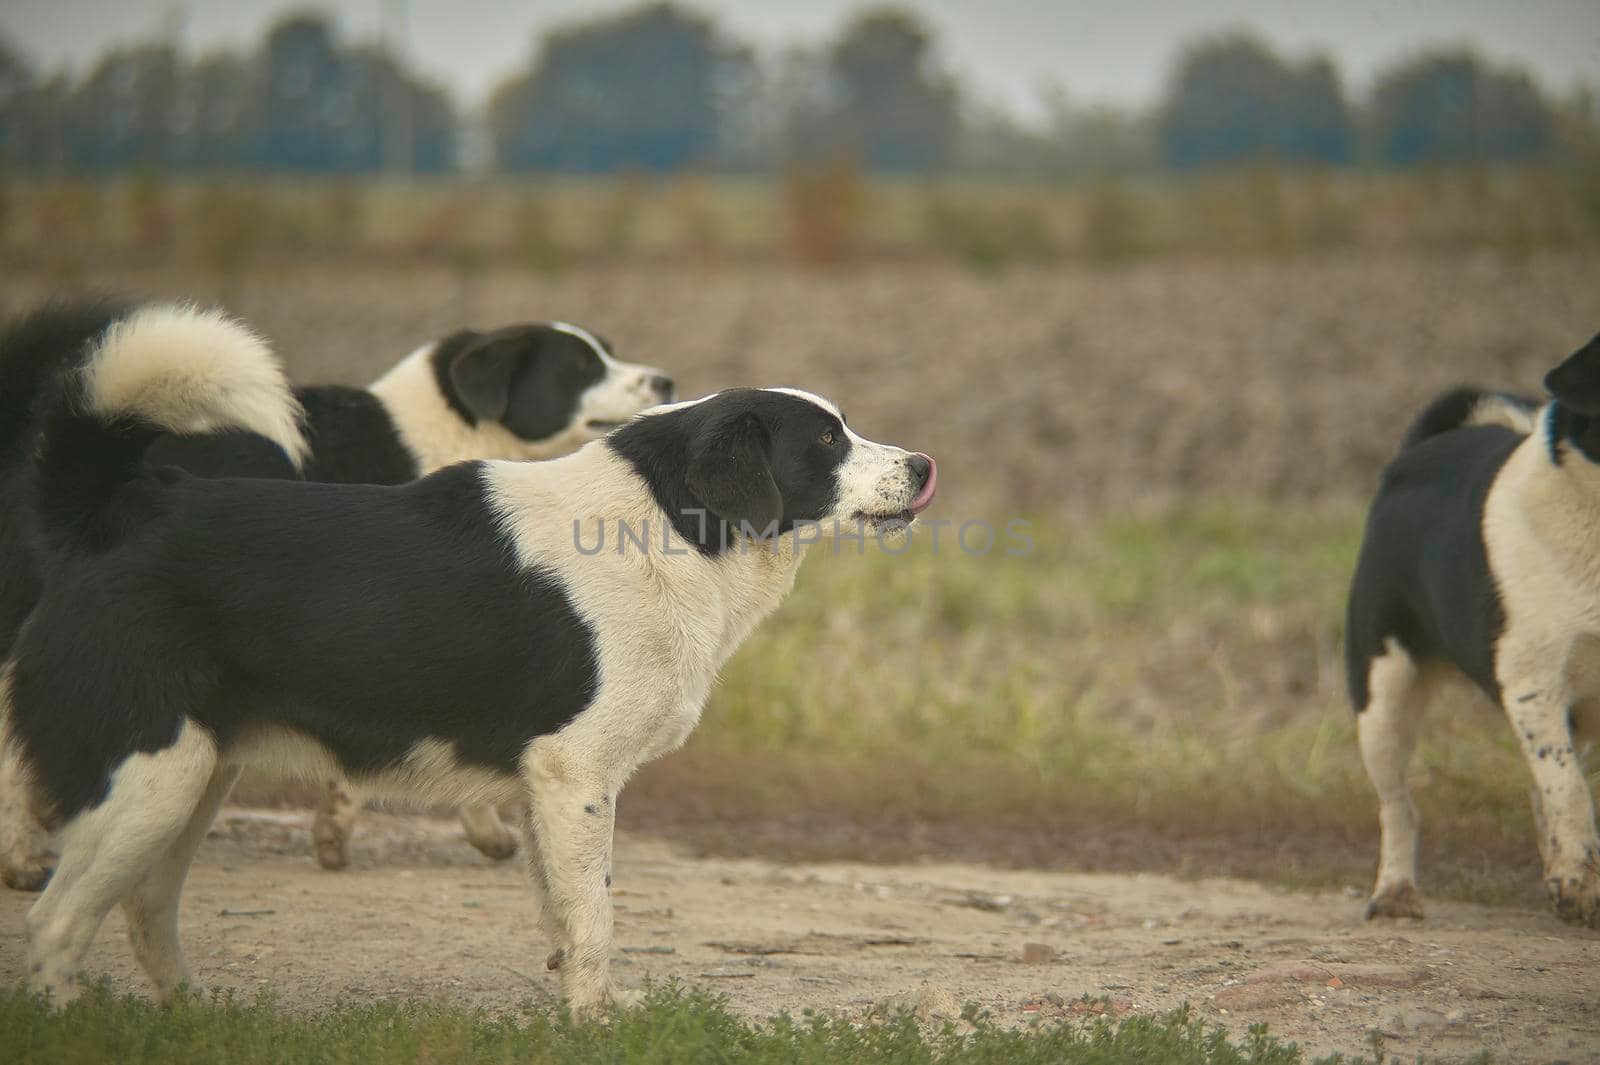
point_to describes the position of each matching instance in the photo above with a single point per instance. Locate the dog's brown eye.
(827, 437)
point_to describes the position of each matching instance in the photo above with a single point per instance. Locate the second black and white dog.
(530, 391)
(1482, 558)
(461, 637)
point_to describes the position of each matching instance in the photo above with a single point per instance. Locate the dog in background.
(1481, 558)
(522, 392)
(453, 638)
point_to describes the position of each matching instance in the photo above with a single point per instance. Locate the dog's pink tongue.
(924, 497)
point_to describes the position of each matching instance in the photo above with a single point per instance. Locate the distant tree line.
(661, 88)
(1233, 98)
(300, 102)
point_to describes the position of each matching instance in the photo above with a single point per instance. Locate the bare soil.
(422, 915)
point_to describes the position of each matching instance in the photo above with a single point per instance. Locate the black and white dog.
(1482, 558)
(526, 391)
(461, 637)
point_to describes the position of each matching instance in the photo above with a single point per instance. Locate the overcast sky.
(1116, 51)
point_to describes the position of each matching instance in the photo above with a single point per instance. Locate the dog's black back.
(433, 650)
(353, 441)
(1423, 577)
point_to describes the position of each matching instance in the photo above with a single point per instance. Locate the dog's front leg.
(533, 856)
(571, 815)
(1539, 706)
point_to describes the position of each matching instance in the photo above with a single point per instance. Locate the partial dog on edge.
(530, 391)
(463, 637)
(1482, 558)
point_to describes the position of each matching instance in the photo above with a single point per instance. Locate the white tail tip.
(191, 371)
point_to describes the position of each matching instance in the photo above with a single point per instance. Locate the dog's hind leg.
(1388, 727)
(109, 848)
(487, 832)
(571, 817)
(335, 824)
(152, 904)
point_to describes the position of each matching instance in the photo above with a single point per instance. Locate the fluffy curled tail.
(160, 369)
(1465, 406)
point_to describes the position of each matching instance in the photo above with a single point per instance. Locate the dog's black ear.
(1575, 384)
(480, 368)
(730, 471)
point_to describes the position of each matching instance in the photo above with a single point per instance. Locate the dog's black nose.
(921, 465)
(662, 385)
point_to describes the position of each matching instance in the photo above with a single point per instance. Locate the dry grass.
(817, 217)
(1158, 685)
(824, 211)
(1050, 392)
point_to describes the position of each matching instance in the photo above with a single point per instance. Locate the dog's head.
(1574, 417)
(764, 462)
(553, 386)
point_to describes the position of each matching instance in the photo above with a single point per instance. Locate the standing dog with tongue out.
(457, 638)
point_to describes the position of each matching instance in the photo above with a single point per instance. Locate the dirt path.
(422, 915)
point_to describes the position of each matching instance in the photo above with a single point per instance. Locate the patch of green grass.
(1011, 651)
(671, 1026)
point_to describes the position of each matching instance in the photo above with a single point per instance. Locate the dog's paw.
(624, 999)
(332, 843)
(335, 824)
(602, 1003)
(1395, 900)
(32, 874)
(496, 846)
(1577, 898)
(589, 1005)
(59, 991)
